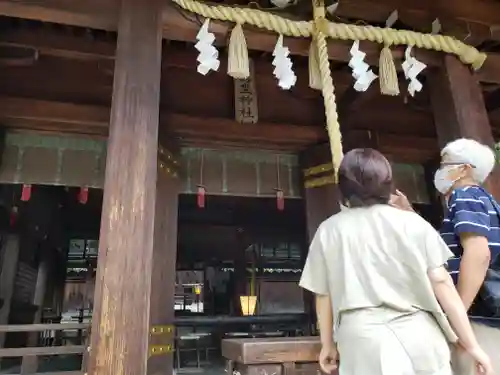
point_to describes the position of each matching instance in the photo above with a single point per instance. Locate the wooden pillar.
(240, 272)
(459, 110)
(436, 200)
(164, 271)
(8, 270)
(29, 364)
(121, 318)
(321, 202)
(40, 288)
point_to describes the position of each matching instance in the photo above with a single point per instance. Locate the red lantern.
(83, 195)
(26, 193)
(280, 200)
(201, 197)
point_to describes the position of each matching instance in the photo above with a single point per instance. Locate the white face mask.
(442, 182)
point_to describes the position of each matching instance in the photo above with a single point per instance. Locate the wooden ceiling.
(57, 75)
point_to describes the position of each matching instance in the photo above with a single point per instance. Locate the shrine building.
(164, 164)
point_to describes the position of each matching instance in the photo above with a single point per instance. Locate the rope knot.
(320, 25)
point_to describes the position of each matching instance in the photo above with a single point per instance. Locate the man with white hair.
(471, 229)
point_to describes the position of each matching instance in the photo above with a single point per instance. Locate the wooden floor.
(48, 364)
(73, 363)
(206, 370)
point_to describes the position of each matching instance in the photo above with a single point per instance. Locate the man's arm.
(473, 266)
(324, 314)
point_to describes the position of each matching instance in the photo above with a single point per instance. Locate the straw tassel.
(314, 74)
(389, 84)
(238, 65)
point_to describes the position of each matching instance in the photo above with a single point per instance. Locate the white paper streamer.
(412, 68)
(361, 71)
(208, 58)
(283, 67)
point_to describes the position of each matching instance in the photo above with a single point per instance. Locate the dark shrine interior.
(240, 244)
(230, 235)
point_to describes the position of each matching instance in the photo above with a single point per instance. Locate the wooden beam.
(32, 110)
(345, 103)
(163, 275)
(121, 319)
(177, 26)
(8, 268)
(269, 351)
(464, 24)
(321, 202)
(226, 130)
(490, 72)
(18, 113)
(104, 15)
(459, 110)
(486, 12)
(52, 42)
(458, 106)
(352, 99)
(495, 32)
(92, 14)
(407, 148)
(55, 117)
(492, 100)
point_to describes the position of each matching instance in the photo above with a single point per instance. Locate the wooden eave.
(177, 25)
(401, 126)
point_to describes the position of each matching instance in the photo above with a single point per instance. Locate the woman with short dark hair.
(365, 178)
(380, 283)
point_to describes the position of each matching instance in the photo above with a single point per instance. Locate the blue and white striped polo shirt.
(470, 210)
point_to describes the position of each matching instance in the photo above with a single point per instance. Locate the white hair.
(469, 151)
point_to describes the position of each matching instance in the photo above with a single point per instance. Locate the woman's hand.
(328, 358)
(400, 201)
(482, 361)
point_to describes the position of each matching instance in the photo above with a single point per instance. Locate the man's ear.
(466, 169)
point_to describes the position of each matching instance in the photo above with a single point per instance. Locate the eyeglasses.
(446, 164)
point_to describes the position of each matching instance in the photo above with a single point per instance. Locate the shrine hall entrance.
(242, 241)
(241, 246)
(239, 260)
(232, 262)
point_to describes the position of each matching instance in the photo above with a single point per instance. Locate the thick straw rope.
(386, 36)
(320, 29)
(253, 17)
(327, 88)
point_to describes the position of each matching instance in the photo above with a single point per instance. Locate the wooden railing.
(29, 355)
(272, 356)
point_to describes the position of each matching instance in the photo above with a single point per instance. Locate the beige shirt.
(369, 257)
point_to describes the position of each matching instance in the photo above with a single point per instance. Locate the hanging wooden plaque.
(245, 99)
